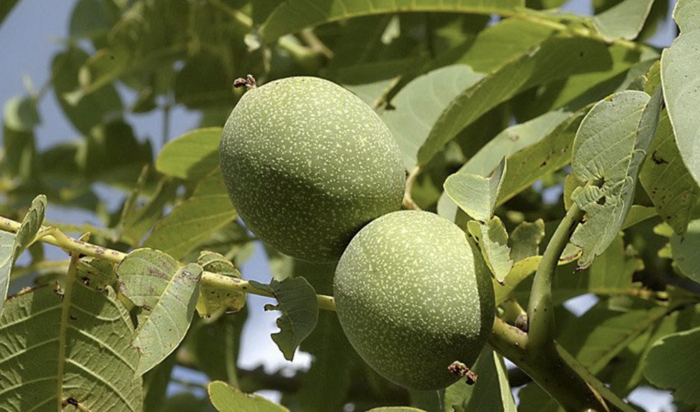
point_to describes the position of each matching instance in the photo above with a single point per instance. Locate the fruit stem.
(249, 82)
(540, 311)
(54, 236)
(558, 373)
(408, 202)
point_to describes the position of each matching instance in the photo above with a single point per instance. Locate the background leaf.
(295, 15)
(671, 188)
(166, 293)
(7, 242)
(191, 156)
(194, 220)
(228, 399)
(299, 307)
(624, 20)
(672, 364)
(30, 226)
(419, 104)
(531, 69)
(685, 251)
(493, 241)
(679, 78)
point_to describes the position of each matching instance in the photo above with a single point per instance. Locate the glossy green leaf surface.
(419, 104)
(679, 78)
(624, 20)
(672, 364)
(194, 220)
(58, 359)
(227, 399)
(610, 145)
(294, 15)
(191, 156)
(297, 301)
(167, 294)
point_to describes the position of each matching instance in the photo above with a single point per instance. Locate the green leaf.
(72, 345)
(419, 104)
(113, 154)
(7, 248)
(167, 294)
(92, 110)
(20, 116)
(493, 241)
(212, 301)
(537, 67)
(227, 399)
(31, 224)
(679, 78)
(294, 15)
(215, 344)
(476, 194)
(685, 251)
(396, 409)
(491, 391)
(204, 81)
(521, 270)
(673, 364)
(601, 334)
(191, 156)
(135, 223)
(95, 273)
(623, 21)
(325, 386)
(89, 19)
(194, 220)
(610, 145)
(299, 307)
(525, 240)
(666, 179)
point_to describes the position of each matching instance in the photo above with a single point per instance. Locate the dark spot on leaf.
(601, 201)
(580, 54)
(658, 159)
(389, 107)
(543, 164)
(72, 401)
(73, 317)
(111, 57)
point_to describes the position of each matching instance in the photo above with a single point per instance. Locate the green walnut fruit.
(307, 164)
(414, 296)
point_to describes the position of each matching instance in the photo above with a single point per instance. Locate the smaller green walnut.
(414, 296)
(307, 164)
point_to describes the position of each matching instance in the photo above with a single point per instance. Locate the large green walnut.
(414, 295)
(307, 164)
